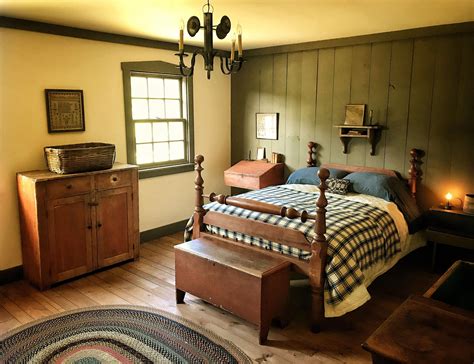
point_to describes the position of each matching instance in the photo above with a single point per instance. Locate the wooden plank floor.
(150, 282)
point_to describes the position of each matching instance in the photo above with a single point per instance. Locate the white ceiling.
(264, 22)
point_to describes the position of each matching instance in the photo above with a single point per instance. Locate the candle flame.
(449, 196)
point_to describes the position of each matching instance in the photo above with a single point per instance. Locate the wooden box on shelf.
(75, 223)
(253, 175)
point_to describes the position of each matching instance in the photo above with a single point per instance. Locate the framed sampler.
(65, 110)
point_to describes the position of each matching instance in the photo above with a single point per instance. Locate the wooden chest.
(435, 328)
(253, 175)
(248, 284)
(73, 224)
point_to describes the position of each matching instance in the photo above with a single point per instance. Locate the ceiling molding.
(40, 27)
(467, 27)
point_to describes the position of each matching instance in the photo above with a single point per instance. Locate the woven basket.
(73, 158)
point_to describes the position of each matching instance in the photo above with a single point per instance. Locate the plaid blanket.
(359, 235)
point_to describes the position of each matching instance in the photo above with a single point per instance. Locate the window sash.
(161, 70)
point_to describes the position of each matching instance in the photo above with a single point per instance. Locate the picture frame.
(355, 115)
(261, 153)
(65, 110)
(267, 125)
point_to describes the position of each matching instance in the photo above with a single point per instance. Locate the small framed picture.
(355, 115)
(267, 126)
(261, 153)
(65, 110)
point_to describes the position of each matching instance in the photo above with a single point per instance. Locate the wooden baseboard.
(163, 231)
(11, 274)
(16, 273)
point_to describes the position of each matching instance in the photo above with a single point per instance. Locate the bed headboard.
(414, 172)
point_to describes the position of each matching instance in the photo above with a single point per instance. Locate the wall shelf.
(369, 132)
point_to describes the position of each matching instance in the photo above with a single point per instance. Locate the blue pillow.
(388, 188)
(309, 176)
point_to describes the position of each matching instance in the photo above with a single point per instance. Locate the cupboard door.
(70, 237)
(114, 226)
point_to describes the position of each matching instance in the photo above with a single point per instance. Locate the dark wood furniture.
(435, 328)
(369, 132)
(450, 227)
(75, 223)
(253, 286)
(314, 268)
(254, 175)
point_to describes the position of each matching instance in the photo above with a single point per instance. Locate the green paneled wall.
(421, 90)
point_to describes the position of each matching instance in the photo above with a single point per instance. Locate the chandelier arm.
(185, 70)
(227, 70)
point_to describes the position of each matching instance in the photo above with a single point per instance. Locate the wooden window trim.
(163, 168)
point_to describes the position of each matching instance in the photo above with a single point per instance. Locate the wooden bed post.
(319, 247)
(311, 162)
(199, 199)
(415, 171)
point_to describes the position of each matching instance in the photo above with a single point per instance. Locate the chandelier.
(230, 64)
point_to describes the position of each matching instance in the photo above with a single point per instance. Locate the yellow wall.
(31, 62)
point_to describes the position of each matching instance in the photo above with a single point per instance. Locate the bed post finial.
(415, 171)
(199, 200)
(319, 247)
(311, 162)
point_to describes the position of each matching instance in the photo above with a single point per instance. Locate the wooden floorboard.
(149, 281)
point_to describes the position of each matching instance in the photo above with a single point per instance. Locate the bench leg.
(180, 296)
(263, 332)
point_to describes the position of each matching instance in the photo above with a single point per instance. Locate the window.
(158, 110)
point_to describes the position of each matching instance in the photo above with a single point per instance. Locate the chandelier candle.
(181, 36)
(239, 39)
(228, 64)
(232, 49)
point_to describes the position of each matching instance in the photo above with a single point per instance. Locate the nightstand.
(253, 175)
(450, 227)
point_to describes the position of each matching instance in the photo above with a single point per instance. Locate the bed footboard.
(316, 264)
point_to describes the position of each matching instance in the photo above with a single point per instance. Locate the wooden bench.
(249, 284)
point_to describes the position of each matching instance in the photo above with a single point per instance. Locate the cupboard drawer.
(113, 180)
(68, 187)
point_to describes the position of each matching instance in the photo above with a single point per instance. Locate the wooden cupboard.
(77, 223)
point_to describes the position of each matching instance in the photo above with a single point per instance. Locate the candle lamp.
(448, 197)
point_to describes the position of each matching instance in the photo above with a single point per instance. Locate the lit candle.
(181, 36)
(448, 197)
(232, 49)
(239, 44)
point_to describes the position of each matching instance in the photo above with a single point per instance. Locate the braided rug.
(116, 334)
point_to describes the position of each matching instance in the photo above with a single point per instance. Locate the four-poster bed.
(313, 265)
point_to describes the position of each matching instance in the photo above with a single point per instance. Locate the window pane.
(138, 86)
(173, 109)
(184, 98)
(144, 153)
(155, 87)
(160, 132)
(157, 109)
(172, 88)
(139, 109)
(161, 152)
(176, 150)
(176, 131)
(143, 133)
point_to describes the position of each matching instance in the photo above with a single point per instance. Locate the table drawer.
(113, 180)
(68, 187)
